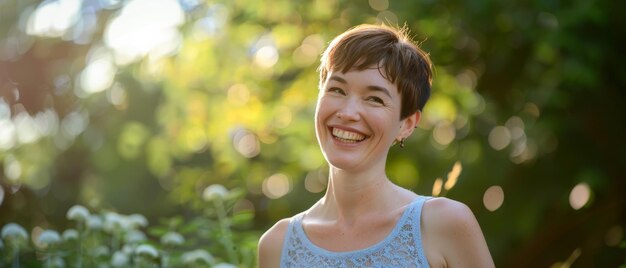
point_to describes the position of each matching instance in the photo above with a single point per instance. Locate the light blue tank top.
(401, 248)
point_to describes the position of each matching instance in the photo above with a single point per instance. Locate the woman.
(374, 82)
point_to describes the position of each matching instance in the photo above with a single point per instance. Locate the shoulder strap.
(417, 224)
(289, 237)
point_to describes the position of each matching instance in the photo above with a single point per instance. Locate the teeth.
(347, 136)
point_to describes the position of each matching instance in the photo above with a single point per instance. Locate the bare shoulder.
(448, 212)
(271, 244)
(452, 236)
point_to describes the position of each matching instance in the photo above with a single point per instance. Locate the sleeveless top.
(401, 248)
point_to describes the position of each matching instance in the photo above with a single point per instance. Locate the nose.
(350, 111)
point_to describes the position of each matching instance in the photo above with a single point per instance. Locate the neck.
(349, 195)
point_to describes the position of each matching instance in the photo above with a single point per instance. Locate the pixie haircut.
(397, 57)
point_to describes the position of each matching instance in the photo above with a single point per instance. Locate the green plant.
(118, 240)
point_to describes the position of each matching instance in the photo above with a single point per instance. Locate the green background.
(140, 112)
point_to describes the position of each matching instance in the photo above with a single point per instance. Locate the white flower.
(70, 234)
(57, 262)
(196, 256)
(137, 220)
(119, 259)
(134, 236)
(128, 249)
(78, 213)
(100, 251)
(172, 239)
(147, 250)
(113, 221)
(14, 231)
(214, 191)
(94, 222)
(224, 265)
(48, 237)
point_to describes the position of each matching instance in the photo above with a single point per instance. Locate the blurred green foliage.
(137, 106)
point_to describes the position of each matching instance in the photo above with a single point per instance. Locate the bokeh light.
(453, 175)
(387, 17)
(7, 134)
(53, 18)
(102, 100)
(437, 185)
(499, 138)
(12, 168)
(308, 52)
(444, 133)
(579, 196)
(493, 198)
(266, 56)
(246, 143)
(316, 180)
(243, 205)
(98, 75)
(379, 5)
(145, 27)
(117, 96)
(276, 186)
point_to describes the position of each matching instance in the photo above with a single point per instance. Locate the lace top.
(401, 248)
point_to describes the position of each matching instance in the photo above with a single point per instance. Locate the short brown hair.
(399, 60)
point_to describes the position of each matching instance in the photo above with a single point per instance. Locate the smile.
(347, 136)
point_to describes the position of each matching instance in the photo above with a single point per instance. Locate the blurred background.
(136, 106)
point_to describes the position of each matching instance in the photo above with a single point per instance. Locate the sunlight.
(453, 175)
(246, 143)
(212, 24)
(7, 134)
(53, 18)
(98, 75)
(444, 132)
(579, 196)
(379, 5)
(276, 186)
(12, 168)
(75, 123)
(307, 53)
(117, 96)
(499, 138)
(387, 17)
(266, 56)
(437, 185)
(26, 128)
(493, 198)
(145, 27)
(315, 181)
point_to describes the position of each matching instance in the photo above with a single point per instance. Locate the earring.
(402, 143)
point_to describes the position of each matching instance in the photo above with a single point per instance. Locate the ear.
(409, 124)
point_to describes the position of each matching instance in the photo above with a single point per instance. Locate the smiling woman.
(374, 82)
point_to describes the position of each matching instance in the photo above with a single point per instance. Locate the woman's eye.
(376, 100)
(336, 90)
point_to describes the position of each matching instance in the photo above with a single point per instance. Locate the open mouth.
(347, 136)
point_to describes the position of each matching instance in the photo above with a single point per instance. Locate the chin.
(343, 163)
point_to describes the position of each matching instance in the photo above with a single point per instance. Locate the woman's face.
(357, 119)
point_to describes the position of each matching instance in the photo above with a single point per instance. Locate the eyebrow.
(370, 87)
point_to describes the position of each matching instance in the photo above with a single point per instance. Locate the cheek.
(386, 124)
(322, 109)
